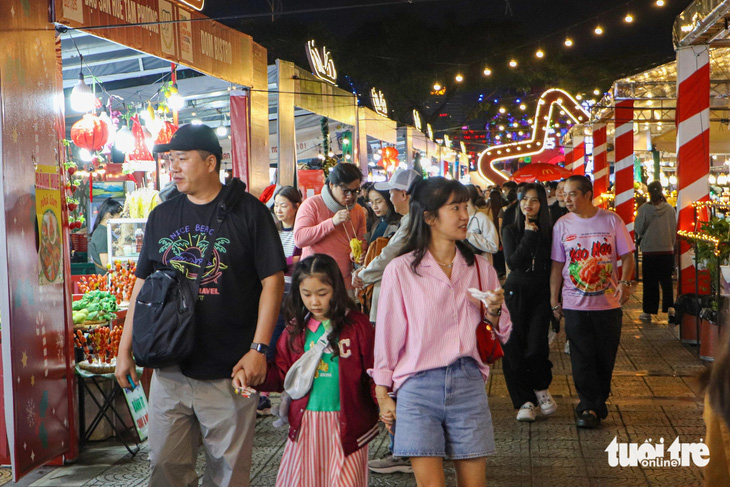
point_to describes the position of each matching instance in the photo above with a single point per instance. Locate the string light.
(598, 30)
(513, 63)
(523, 107)
(540, 54)
(568, 42)
(659, 3)
(436, 87)
(459, 78)
(579, 97)
(629, 18)
(502, 110)
(596, 92)
(487, 72)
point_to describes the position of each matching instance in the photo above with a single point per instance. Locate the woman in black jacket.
(527, 367)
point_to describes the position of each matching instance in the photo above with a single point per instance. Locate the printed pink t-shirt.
(590, 249)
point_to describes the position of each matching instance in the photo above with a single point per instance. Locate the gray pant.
(181, 411)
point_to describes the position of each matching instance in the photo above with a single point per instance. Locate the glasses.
(348, 191)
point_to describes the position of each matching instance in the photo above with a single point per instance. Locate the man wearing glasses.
(326, 223)
(588, 244)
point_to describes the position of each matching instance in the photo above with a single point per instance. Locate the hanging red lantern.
(90, 133)
(140, 152)
(166, 133)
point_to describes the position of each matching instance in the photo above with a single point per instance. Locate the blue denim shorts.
(444, 413)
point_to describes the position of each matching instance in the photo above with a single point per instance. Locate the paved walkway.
(654, 396)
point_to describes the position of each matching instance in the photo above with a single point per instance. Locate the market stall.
(37, 336)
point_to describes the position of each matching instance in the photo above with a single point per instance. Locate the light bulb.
(513, 63)
(459, 78)
(596, 92)
(82, 99)
(376, 157)
(598, 30)
(628, 19)
(436, 87)
(176, 102)
(487, 72)
(84, 155)
(659, 3)
(672, 179)
(124, 140)
(523, 107)
(579, 97)
(196, 121)
(722, 179)
(568, 42)
(221, 131)
(712, 179)
(502, 110)
(540, 54)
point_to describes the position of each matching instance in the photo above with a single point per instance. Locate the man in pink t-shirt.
(588, 244)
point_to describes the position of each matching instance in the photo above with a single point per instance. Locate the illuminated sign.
(463, 146)
(322, 65)
(196, 4)
(378, 101)
(417, 120)
(447, 141)
(541, 136)
(429, 131)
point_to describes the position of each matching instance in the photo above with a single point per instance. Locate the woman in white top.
(481, 233)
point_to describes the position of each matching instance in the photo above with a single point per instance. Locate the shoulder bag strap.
(218, 215)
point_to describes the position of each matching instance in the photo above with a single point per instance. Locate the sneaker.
(526, 413)
(390, 464)
(566, 349)
(264, 406)
(547, 404)
(645, 317)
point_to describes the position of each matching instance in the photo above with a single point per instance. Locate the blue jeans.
(444, 412)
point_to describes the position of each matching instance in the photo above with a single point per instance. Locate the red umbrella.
(539, 171)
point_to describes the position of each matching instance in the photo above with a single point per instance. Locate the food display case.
(124, 238)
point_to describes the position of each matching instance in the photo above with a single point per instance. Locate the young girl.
(526, 363)
(331, 426)
(427, 352)
(286, 204)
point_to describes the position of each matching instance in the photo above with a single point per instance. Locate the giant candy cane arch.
(536, 144)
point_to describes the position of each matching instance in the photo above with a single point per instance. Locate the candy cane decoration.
(536, 144)
(624, 143)
(693, 147)
(579, 155)
(600, 163)
(568, 157)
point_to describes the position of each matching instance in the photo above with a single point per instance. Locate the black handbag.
(164, 313)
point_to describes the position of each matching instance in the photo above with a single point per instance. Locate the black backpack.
(164, 314)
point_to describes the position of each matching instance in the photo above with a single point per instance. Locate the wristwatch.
(625, 283)
(260, 348)
(498, 313)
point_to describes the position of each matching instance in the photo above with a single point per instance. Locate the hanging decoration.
(390, 158)
(166, 133)
(329, 160)
(140, 152)
(90, 133)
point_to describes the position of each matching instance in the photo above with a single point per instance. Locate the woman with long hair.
(527, 245)
(427, 353)
(386, 218)
(98, 245)
(656, 229)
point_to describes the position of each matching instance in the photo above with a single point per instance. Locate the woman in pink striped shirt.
(425, 342)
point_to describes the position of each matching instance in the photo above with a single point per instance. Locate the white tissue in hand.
(480, 295)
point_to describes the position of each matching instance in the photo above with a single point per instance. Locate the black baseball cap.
(192, 137)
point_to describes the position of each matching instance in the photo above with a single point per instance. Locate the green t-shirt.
(325, 395)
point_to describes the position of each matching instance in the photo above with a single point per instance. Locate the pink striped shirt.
(427, 321)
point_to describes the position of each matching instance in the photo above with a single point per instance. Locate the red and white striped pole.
(568, 151)
(579, 153)
(600, 163)
(624, 173)
(693, 147)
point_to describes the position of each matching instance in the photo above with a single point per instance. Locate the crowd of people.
(283, 307)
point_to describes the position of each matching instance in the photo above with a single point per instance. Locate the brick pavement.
(654, 395)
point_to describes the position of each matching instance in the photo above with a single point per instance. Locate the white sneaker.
(526, 412)
(645, 317)
(547, 404)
